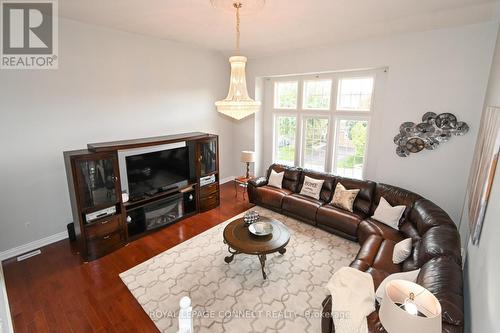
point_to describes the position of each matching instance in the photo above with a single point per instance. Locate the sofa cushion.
(271, 196)
(329, 184)
(290, 179)
(370, 227)
(443, 278)
(337, 218)
(365, 196)
(301, 205)
(378, 275)
(442, 240)
(376, 254)
(426, 214)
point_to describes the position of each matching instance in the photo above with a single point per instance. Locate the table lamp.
(248, 157)
(410, 308)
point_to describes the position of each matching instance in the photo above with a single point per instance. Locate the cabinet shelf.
(131, 205)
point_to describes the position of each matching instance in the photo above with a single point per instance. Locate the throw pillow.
(408, 276)
(387, 214)
(402, 251)
(344, 198)
(312, 187)
(276, 179)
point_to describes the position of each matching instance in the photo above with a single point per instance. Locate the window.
(285, 95)
(350, 148)
(315, 143)
(355, 94)
(322, 122)
(285, 133)
(317, 94)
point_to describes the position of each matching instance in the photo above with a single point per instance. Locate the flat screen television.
(150, 172)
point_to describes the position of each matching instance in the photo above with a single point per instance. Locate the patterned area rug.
(234, 297)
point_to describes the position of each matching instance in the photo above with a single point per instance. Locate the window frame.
(275, 88)
(275, 134)
(305, 117)
(336, 139)
(339, 86)
(333, 114)
(303, 84)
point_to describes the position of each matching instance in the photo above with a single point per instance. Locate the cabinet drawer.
(102, 245)
(103, 227)
(208, 190)
(209, 202)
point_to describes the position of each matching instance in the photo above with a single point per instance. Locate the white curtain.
(483, 170)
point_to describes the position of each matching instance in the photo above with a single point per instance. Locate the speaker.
(71, 232)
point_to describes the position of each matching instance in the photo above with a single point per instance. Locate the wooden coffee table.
(240, 240)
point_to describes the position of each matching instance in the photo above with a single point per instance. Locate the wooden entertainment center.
(103, 222)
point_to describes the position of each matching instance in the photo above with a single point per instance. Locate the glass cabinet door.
(207, 156)
(97, 182)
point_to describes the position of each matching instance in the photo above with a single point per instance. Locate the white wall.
(441, 71)
(482, 292)
(110, 85)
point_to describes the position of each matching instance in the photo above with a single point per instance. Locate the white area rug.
(234, 297)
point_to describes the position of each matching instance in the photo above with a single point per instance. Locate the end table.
(241, 182)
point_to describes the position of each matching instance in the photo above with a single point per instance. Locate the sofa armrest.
(257, 182)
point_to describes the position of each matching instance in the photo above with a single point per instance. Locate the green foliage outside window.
(356, 131)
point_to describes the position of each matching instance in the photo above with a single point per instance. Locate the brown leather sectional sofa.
(436, 242)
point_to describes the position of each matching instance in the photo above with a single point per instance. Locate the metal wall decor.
(429, 134)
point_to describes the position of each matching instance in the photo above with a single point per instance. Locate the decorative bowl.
(251, 217)
(261, 228)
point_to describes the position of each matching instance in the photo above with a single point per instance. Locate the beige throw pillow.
(276, 179)
(388, 214)
(343, 198)
(312, 187)
(402, 251)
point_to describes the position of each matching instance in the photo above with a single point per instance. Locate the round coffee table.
(240, 240)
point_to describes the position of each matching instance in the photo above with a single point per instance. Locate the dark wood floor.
(56, 292)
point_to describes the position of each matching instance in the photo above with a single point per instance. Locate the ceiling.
(282, 24)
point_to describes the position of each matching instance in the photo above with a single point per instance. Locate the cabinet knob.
(107, 237)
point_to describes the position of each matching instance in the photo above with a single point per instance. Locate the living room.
(251, 166)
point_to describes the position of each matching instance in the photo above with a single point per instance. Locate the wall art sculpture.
(429, 134)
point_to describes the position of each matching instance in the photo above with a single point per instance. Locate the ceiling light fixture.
(237, 104)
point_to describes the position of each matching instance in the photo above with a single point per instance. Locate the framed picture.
(483, 170)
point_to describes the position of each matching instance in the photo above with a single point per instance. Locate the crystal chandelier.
(237, 104)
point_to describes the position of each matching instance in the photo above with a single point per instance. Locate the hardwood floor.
(57, 292)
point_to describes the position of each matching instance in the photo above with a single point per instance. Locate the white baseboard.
(5, 318)
(18, 250)
(227, 180)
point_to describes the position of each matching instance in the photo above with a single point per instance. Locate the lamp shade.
(247, 156)
(396, 319)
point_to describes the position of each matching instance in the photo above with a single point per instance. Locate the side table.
(241, 182)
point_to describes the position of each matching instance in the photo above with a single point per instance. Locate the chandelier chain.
(237, 5)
